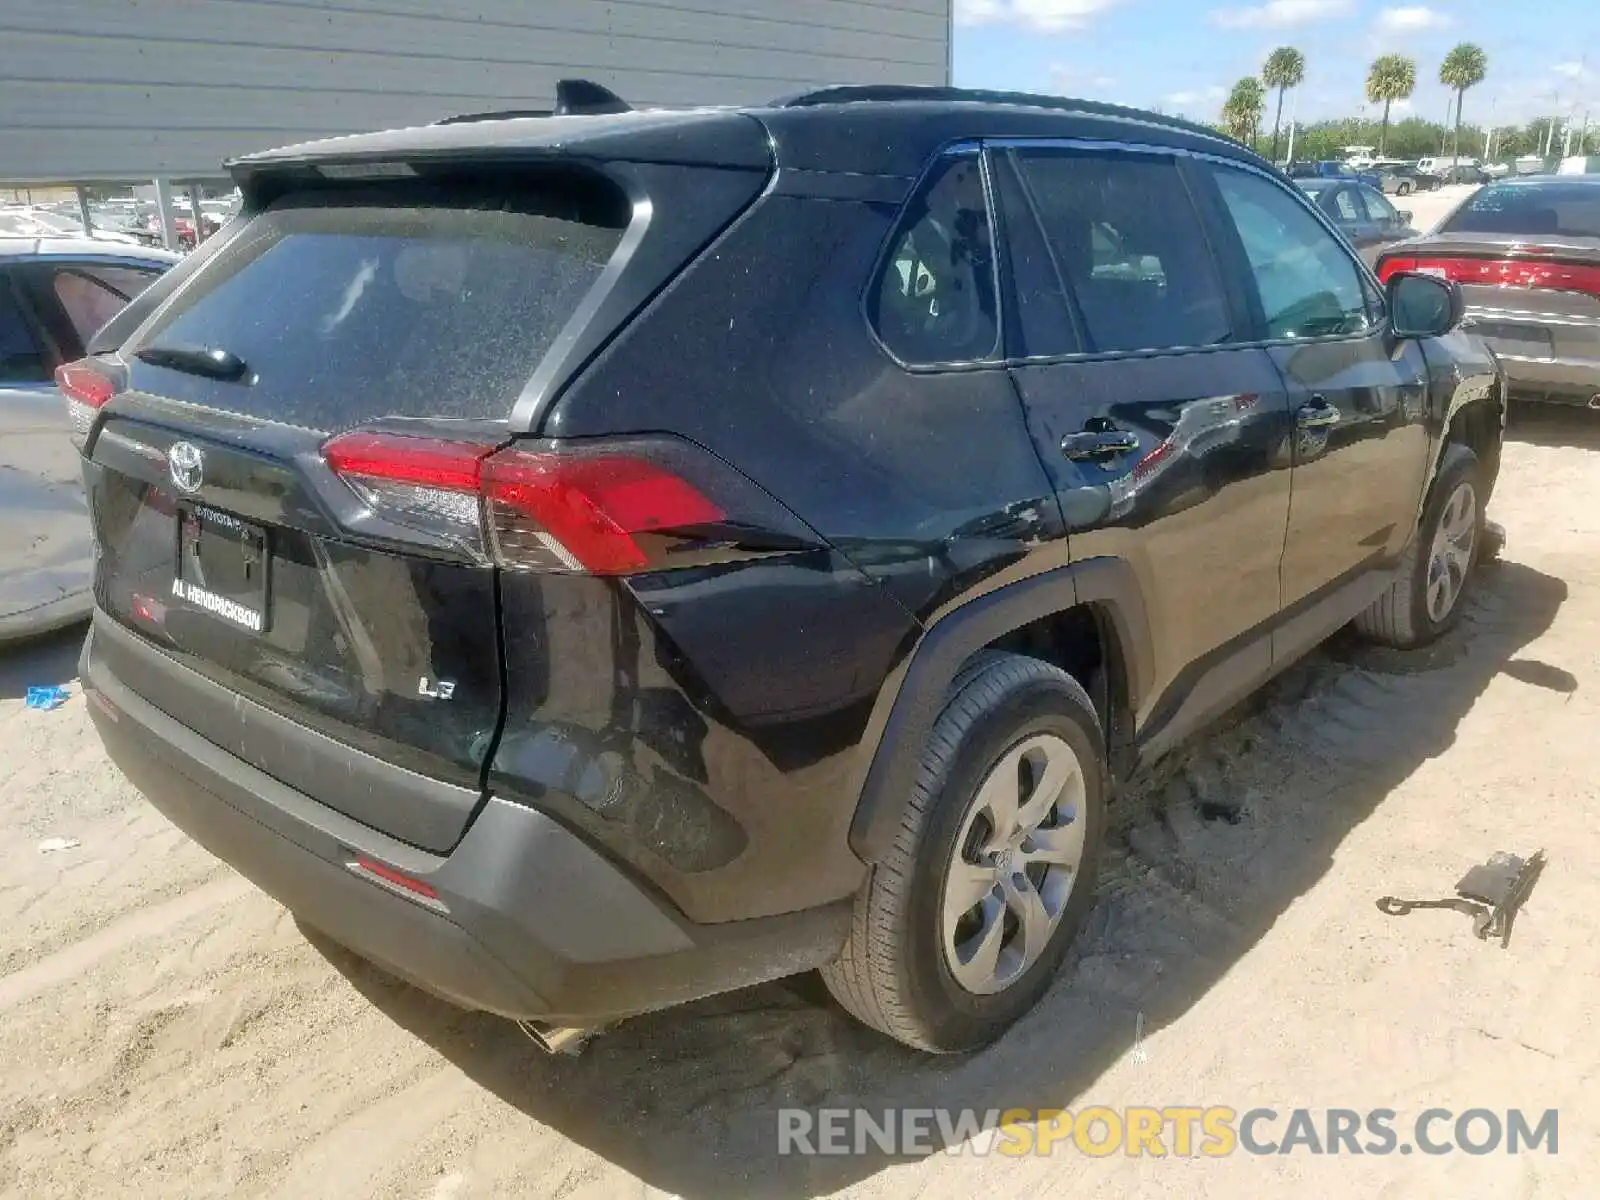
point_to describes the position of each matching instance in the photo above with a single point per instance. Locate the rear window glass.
(415, 302)
(1550, 210)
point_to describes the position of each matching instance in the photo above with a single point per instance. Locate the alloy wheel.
(1015, 864)
(1451, 556)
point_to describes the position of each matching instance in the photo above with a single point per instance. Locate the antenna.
(585, 96)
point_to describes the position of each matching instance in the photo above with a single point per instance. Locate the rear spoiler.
(715, 137)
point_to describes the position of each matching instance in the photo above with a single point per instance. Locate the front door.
(1165, 440)
(1358, 394)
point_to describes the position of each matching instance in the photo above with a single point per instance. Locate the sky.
(1182, 56)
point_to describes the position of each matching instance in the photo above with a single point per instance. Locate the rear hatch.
(286, 466)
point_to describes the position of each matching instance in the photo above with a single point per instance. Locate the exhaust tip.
(1594, 400)
(556, 1039)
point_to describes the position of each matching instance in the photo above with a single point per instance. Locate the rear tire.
(1433, 578)
(1016, 736)
(1403, 190)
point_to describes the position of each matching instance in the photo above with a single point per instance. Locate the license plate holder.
(222, 566)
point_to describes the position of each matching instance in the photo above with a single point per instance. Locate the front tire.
(1436, 573)
(962, 926)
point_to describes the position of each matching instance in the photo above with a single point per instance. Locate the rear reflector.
(371, 866)
(86, 391)
(1499, 272)
(614, 509)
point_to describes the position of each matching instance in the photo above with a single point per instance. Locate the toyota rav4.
(588, 561)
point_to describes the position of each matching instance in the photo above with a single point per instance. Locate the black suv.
(589, 561)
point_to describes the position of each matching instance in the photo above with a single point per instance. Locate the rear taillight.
(606, 514)
(86, 390)
(1498, 272)
(422, 483)
(611, 508)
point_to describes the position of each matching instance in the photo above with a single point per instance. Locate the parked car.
(183, 227)
(33, 222)
(1579, 164)
(1332, 169)
(1401, 179)
(1465, 173)
(1526, 252)
(54, 294)
(1362, 215)
(496, 569)
(1441, 164)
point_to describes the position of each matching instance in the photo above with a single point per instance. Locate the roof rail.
(573, 97)
(505, 114)
(857, 93)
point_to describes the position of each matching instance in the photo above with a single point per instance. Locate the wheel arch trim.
(912, 697)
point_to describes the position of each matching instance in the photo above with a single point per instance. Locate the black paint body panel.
(733, 744)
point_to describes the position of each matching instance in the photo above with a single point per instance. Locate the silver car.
(54, 294)
(1526, 253)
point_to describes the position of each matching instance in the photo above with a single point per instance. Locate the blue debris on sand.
(46, 698)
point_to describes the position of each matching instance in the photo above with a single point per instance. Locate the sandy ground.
(167, 1031)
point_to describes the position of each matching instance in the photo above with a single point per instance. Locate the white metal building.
(121, 90)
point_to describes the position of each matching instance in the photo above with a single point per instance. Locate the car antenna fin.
(585, 96)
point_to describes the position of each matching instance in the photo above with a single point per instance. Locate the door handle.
(1099, 444)
(1319, 414)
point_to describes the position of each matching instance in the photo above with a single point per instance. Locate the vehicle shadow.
(1206, 854)
(1554, 425)
(40, 662)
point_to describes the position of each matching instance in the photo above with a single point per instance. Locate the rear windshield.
(420, 301)
(1550, 210)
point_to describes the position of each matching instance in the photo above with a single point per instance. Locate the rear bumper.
(530, 921)
(1558, 381)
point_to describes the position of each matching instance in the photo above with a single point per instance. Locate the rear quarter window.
(933, 300)
(366, 302)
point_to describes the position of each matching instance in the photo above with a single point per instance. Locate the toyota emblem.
(187, 465)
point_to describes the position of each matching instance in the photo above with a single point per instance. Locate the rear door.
(1166, 439)
(343, 593)
(1358, 394)
(1343, 203)
(1387, 223)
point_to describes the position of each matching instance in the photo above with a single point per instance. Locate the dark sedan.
(1527, 254)
(1361, 213)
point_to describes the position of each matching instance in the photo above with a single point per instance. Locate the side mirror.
(1423, 306)
(1403, 217)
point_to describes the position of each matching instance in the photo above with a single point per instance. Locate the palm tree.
(1392, 77)
(1463, 68)
(1241, 113)
(1286, 68)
